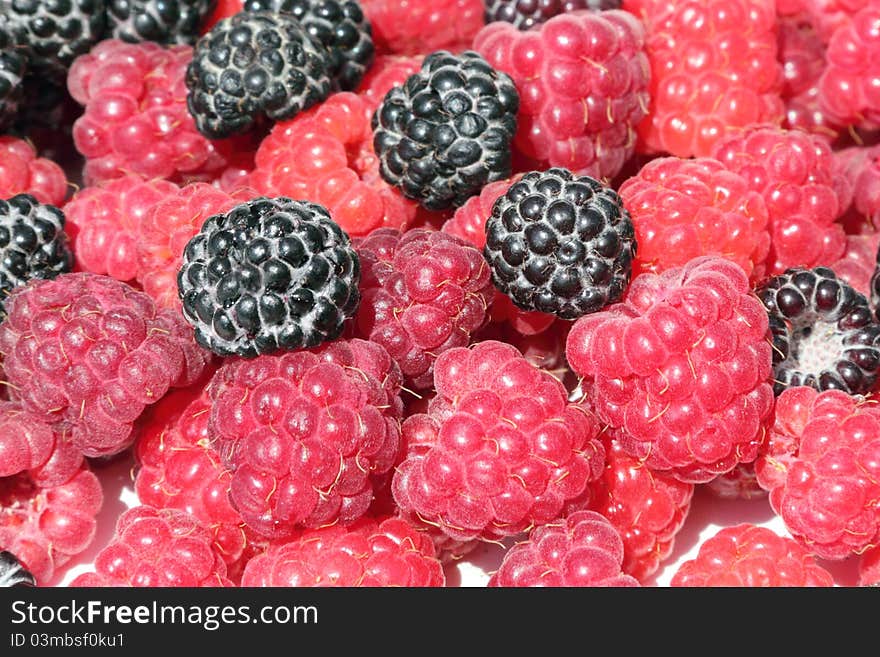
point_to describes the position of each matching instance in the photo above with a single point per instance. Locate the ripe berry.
(29, 444)
(684, 208)
(500, 450)
(338, 25)
(583, 549)
(269, 274)
(560, 244)
(446, 132)
(163, 21)
(423, 26)
(824, 334)
(525, 14)
(847, 88)
(33, 244)
(54, 32)
(647, 508)
(819, 465)
(369, 552)
(714, 69)
(682, 367)
(46, 527)
(424, 292)
(136, 119)
(583, 83)
(90, 353)
(157, 548)
(179, 470)
(750, 556)
(803, 188)
(254, 65)
(23, 172)
(164, 229)
(326, 155)
(306, 434)
(103, 222)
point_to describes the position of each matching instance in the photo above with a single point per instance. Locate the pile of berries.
(357, 288)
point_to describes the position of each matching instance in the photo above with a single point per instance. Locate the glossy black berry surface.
(12, 573)
(32, 243)
(162, 21)
(447, 131)
(340, 26)
(824, 334)
(54, 32)
(560, 243)
(524, 14)
(251, 66)
(271, 274)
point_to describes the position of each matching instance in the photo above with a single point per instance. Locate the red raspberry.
(90, 352)
(820, 465)
(713, 69)
(469, 220)
(46, 527)
(386, 72)
(647, 508)
(135, 118)
(802, 56)
(28, 444)
(828, 15)
(326, 155)
(803, 187)
(572, 115)
(857, 264)
(682, 209)
(500, 450)
(370, 552)
(418, 27)
(306, 433)
(164, 230)
(179, 470)
(860, 165)
(22, 172)
(157, 548)
(750, 556)
(583, 549)
(422, 292)
(683, 366)
(545, 350)
(741, 483)
(848, 86)
(102, 222)
(869, 567)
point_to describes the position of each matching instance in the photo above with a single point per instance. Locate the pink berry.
(682, 367)
(583, 83)
(749, 556)
(306, 433)
(47, 527)
(370, 552)
(157, 548)
(423, 293)
(583, 549)
(820, 465)
(500, 449)
(91, 353)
